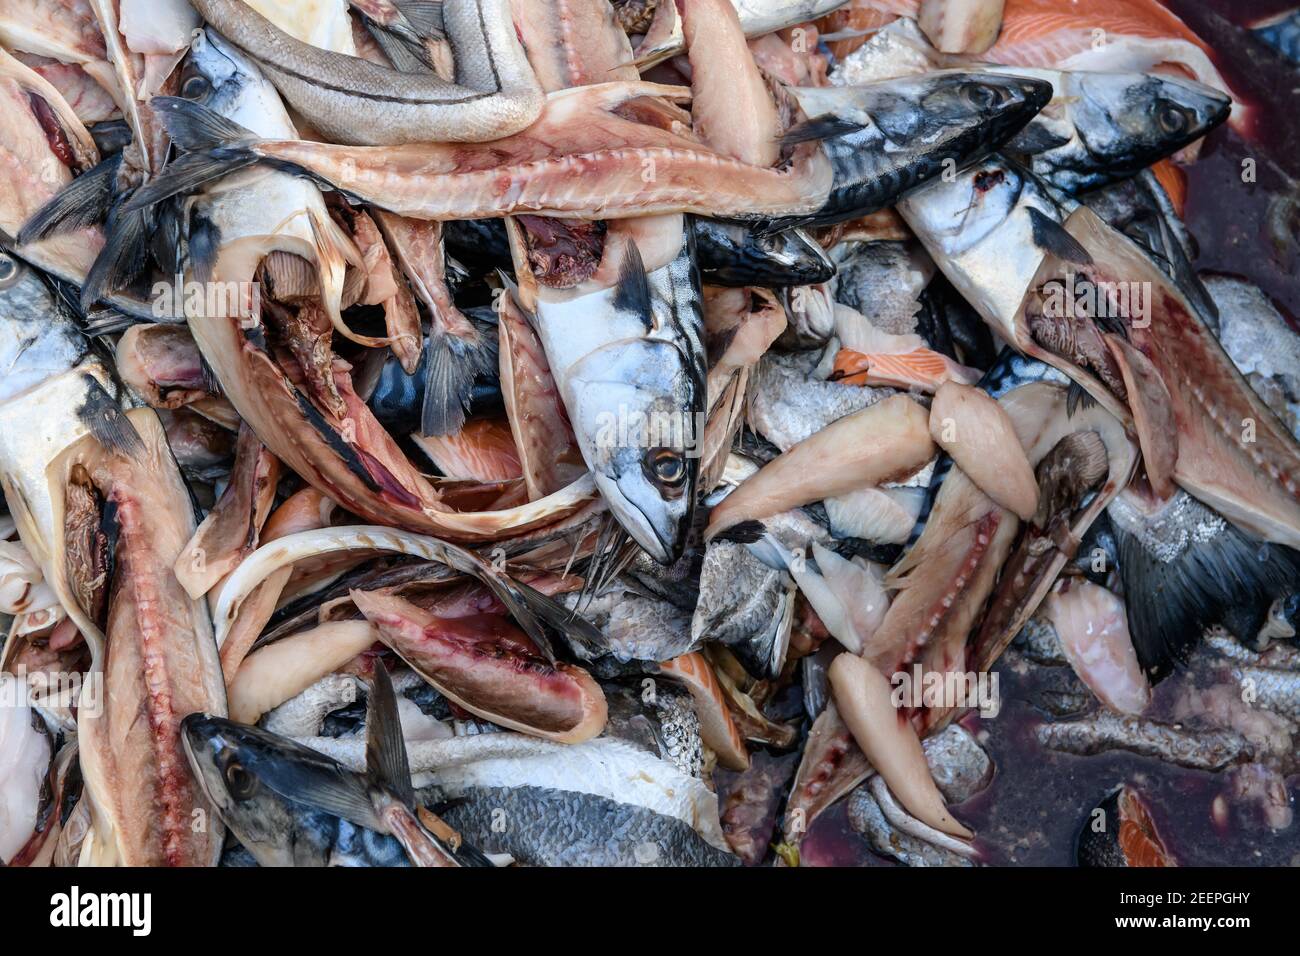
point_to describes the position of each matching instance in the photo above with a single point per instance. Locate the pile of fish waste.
(631, 433)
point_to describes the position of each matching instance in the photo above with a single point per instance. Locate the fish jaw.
(626, 403)
(486, 665)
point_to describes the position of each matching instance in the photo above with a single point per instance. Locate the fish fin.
(829, 126)
(452, 363)
(123, 258)
(1033, 139)
(203, 246)
(1051, 236)
(1196, 587)
(102, 322)
(187, 173)
(325, 785)
(606, 559)
(104, 418)
(386, 761)
(746, 532)
(195, 128)
(1076, 397)
(167, 244)
(583, 638)
(632, 288)
(83, 202)
(424, 16)
(401, 46)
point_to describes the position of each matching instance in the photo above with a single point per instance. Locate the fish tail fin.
(386, 761)
(452, 361)
(402, 39)
(1209, 578)
(83, 202)
(214, 148)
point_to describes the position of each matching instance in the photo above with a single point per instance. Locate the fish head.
(630, 401)
(1126, 121)
(219, 76)
(955, 112)
(229, 761)
(39, 338)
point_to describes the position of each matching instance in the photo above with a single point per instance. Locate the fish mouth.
(644, 531)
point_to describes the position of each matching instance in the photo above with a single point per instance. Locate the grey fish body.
(789, 404)
(887, 138)
(1261, 344)
(352, 100)
(638, 627)
(543, 827)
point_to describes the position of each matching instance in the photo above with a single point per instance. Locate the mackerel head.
(626, 349)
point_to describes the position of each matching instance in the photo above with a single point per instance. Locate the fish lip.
(665, 552)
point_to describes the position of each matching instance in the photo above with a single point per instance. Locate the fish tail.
(452, 361)
(214, 148)
(83, 202)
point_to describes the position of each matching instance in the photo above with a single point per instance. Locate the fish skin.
(1203, 749)
(354, 101)
(904, 132)
(664, 38)
(789, 405)
(547, 827)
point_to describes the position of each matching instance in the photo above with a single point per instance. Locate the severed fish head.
(239, 768)
(1117, 124)
(630, 403)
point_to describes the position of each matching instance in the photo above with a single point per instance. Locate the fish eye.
(666, 467)
(239, 781)
(8, 271)
(1172, 119)
(195, 87)
(981, 96)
